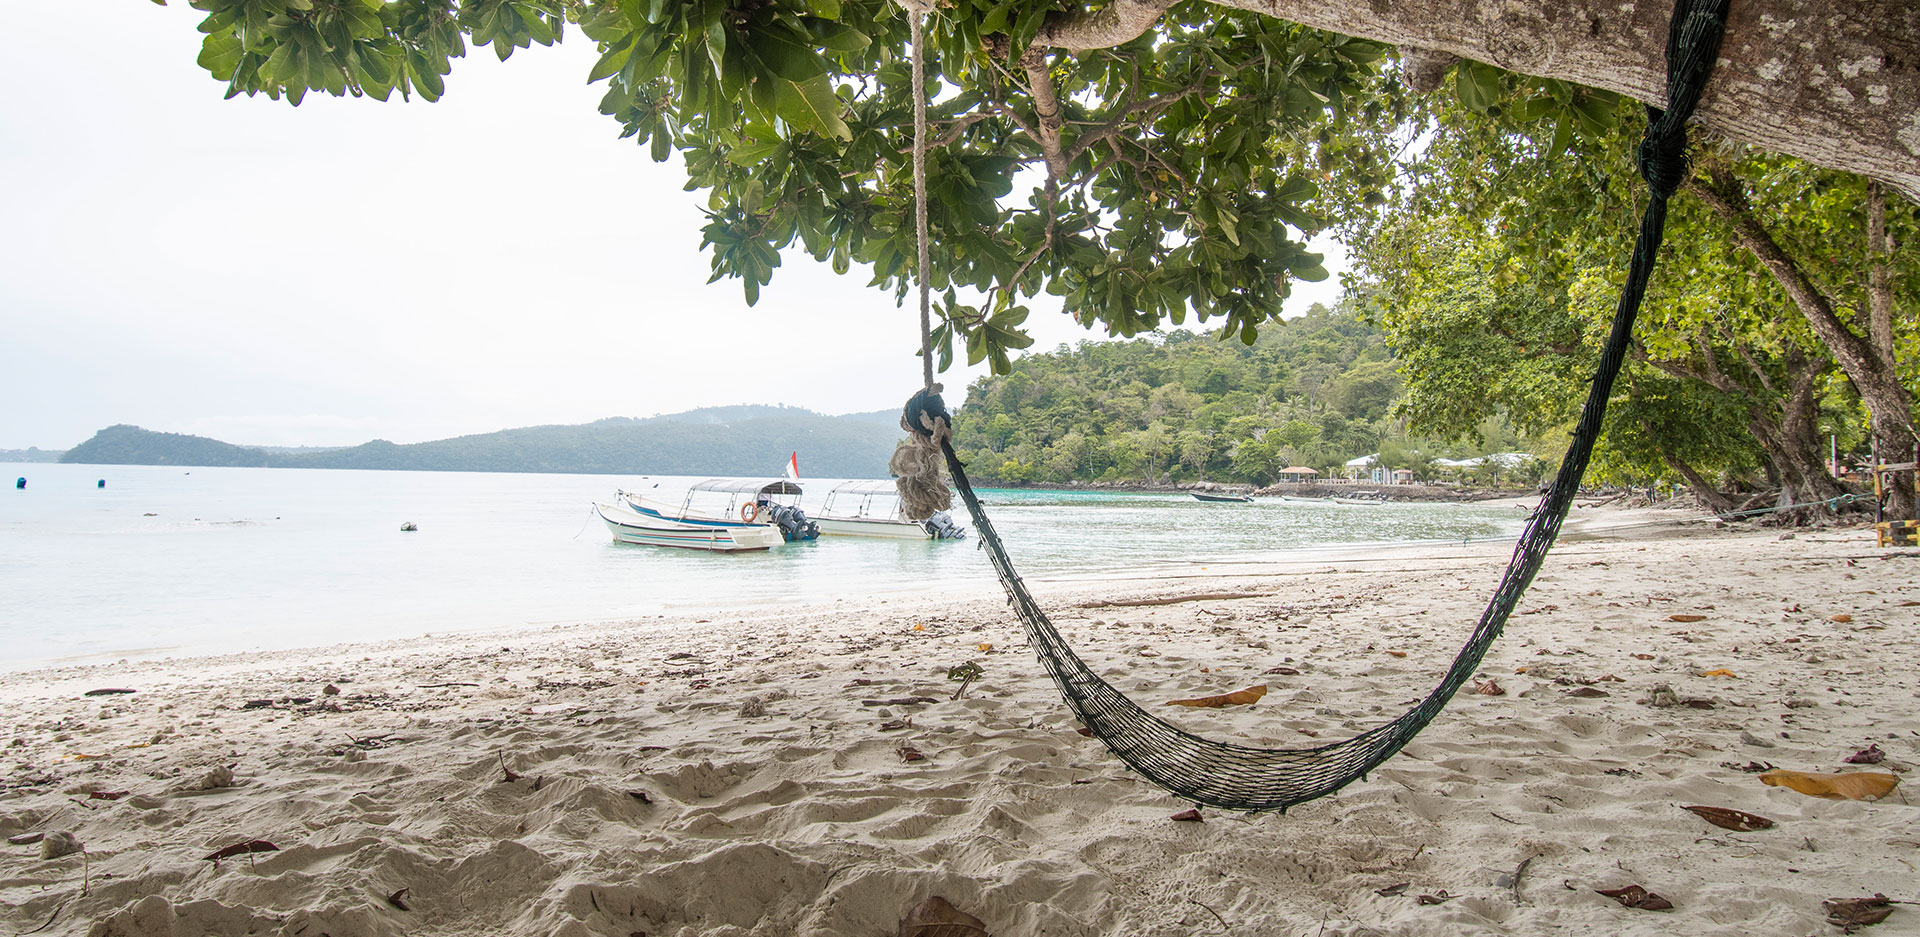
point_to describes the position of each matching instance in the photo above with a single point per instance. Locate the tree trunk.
(1712, 498)
(1833, 83)
(1901, 504)
(1867, 363)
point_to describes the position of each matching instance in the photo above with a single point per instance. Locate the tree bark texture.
(1833, 82)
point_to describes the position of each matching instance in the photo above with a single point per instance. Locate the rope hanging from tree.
(1240, 777)
(916, 463)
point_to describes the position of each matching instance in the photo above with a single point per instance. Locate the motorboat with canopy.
(733, 502)
(872, 509)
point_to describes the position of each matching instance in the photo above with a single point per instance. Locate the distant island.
(738, 440)
(31, 454)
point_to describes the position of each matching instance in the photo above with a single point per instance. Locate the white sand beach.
(731, 775)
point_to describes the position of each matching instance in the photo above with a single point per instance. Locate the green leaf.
(787, 58)
(220, 54)
(812, 105)
(613, 61)
(1477, 85)
(1596, 114)
(835, 37)
(753, 152)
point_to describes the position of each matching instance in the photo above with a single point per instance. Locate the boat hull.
(1221, 499)
(642, 530)
(871, 527)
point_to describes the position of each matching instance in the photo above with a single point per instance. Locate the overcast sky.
(349, 269)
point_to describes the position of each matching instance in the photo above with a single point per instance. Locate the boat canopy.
(865, 488)
(778, 486)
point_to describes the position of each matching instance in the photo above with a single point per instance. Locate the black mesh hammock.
(1240, 777)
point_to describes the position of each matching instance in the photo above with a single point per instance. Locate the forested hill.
(747, 440)
(1311, 391)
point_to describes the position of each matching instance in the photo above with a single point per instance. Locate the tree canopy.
(1145, 161)
(1497, 266)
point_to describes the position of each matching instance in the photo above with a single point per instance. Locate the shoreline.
(777, 801)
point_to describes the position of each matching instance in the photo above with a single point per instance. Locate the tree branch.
(1146, 109)
(1117, 23)
(1046, 108)
(1879, 282)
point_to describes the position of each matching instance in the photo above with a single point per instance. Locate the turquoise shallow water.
(208, 560)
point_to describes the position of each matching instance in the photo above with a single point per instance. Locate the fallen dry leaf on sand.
(1718, 672)
(1191, 815)
(1841, 618)
(1685, 617)
(1852, 785)
(1438, 898)
(1643, 657)
(1727, 818)
(1871, 755)
(937, 917)
(1633, 896)
(240, 849)
(910, 754)
(1587, 692)
(1851, 914)
(1251, 694)
(1396, 653)
(1393, 891)
(1489, 688)
(1284, 671)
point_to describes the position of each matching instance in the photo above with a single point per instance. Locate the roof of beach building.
(1363, 461)
(1500, 458)
(1298, 470)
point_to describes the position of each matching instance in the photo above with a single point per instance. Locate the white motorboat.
(733, 503)
(631, 527)
(872, 509)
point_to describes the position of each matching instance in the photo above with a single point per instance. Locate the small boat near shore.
(1297, 499)
(872, 509)
(1221, 499)
(733, 504)
(631, 527)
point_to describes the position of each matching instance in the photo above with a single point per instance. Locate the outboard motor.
(793, 522)
(941, 527)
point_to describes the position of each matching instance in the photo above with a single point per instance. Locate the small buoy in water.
(20, 482)
(102, 483)
(409, 526)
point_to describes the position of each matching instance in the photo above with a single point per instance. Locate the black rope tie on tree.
(1240, 777)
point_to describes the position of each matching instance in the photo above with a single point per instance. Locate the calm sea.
(169, 561)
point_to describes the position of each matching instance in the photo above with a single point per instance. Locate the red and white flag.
(793, 467)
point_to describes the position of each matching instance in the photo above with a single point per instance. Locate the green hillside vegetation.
(122, 444)
(1314, 391)
(714, 441)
